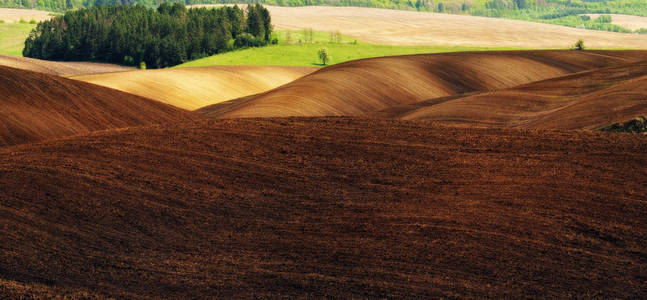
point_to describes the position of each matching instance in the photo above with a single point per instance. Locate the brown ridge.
(586, 100)
(36, 106)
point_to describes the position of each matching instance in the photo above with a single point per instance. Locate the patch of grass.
(12, 37)
(637, 125)
(300, 48)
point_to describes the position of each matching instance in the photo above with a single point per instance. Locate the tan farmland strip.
(192, 88)
(17, 14)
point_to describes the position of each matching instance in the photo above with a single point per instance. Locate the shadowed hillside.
(36, 106)
(360, 87)
(587, 100)
(325, 208)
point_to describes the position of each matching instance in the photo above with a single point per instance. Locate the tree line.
(162, 37)
(495, 8)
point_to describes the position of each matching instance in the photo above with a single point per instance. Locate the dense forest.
(162, 37)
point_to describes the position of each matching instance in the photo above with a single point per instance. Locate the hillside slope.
(330, 207)
(587, 100)
(36, 106)
(364, 86)
(192, 88)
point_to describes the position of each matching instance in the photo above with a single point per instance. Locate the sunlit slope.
(365, 86)
(36, 106)
(334, 208)
(192, 88)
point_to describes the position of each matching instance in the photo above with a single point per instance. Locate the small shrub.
(579, 45)
(32, 21)
(324, 57)
(637, 125)
(22, 21)
(142, 65)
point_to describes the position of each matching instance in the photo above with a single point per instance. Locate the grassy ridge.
(296, 48)
(12, 37)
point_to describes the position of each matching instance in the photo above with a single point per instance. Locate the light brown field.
(626, 21)
(396, 27)
(59, 68)
(16, 14)
(192, 88)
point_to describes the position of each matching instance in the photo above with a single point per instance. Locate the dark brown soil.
(327, 207)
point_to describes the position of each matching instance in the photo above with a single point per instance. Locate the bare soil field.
(36, 106)
(366, 86)
(586, 100)
(395, 27)
(328, 207)
(193, 88)
(17, 14)
(626, 21)
(59, 68)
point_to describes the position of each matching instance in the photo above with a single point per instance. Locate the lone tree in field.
(323, 56)
(579, 45)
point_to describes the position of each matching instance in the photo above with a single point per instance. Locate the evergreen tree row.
(162, 37)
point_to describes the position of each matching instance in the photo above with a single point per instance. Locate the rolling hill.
(328, 207)
(586, 100)
(192, 88)
(365, 86)
(36, 106)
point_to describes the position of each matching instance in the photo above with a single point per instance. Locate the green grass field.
(12, 37)
(294, 49)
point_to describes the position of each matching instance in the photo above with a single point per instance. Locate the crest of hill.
(192, 88)
(332, 207)
(364, 86)
(59, 67)
(586, 100)
(36, 106)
